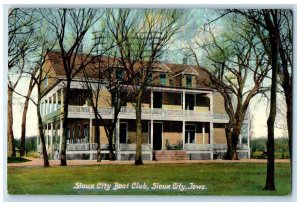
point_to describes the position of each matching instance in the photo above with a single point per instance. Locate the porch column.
(62, 98)
(51, 139)
(52, 103)
(61, 134)
(56, 100)
(211, 102)
(47, 135)
(151, 138)
(42, 109)
(183, 102)
(183, 134)
(90, 138)
(203, 133)
(49, 105)
(45, 108)
(211, 134)
(117, 146)
(151, 101)
(151, 133)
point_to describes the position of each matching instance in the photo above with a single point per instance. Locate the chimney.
(184, 60)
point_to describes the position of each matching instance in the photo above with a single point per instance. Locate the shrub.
(33, 154)
(177, 146)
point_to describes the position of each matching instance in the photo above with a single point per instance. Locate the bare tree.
(20, 44)
(70, 27)
(142, 37)
(103, 78)
(99, 75)
(285, 71)
(38, 74)
(237, 68)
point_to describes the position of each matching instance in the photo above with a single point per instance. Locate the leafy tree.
(236, 67)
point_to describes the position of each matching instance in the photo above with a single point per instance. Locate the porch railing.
(147, 147)
(148, 111)
(132, 147)
(87, 146)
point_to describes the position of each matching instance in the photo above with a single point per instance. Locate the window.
(85, 133)
(243, 138)
(174, 98)
(190, 134)
(123, 132)
(68, 135)
(119, 74)
(188, 79)
(189, 101)
(149, 132)
(73, 135)
(79, 132)
(163, 79)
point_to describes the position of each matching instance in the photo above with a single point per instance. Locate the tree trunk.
(110, 143)
(63, 156)
(10, 133)
(289, 114)
(270, 181)
(41, 133)
(274, 42)
(97, 138)
(24, 115)
(235, 138)
(229, 152)
(138, 111)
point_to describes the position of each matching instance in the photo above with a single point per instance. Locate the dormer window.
(163, 79)
(188, 79)
(119, 74)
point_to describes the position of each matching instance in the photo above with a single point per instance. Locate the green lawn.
(217, 178)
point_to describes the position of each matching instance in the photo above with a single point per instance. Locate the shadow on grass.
(17, 160)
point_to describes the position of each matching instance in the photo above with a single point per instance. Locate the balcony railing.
(149, 111)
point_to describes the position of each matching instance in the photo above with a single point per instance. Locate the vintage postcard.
(149, 101)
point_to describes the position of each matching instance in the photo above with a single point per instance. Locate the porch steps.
(163, 155)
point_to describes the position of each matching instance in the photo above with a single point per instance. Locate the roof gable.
(190, 70)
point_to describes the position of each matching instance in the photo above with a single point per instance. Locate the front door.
(157, 136)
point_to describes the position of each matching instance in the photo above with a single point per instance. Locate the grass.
(218, 178)
(17, 160)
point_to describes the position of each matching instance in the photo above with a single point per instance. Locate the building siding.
(218, 103)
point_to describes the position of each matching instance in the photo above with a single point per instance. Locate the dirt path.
(39, 162)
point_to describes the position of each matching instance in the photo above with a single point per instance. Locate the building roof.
(175, 71)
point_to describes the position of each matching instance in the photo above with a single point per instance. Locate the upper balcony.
(148, 113)
(157, 104)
